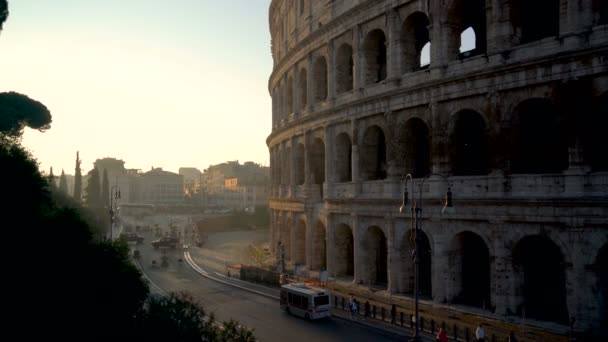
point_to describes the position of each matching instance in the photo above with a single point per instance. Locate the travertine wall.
(514, 127)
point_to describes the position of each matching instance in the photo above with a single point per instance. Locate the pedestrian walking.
(394, 314)
(351, 307)
(356, 308)
(480, 333)
(441, 336)
(367, 309)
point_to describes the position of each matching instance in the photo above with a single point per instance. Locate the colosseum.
(503, 103)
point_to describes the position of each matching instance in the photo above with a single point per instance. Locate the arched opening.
(425, 287)
(301, 243)
(344, 68)
(319, 70)
(289, 95)
(302, 89)
(373, 154)
(467, 17)
(299, 171)
(469, 147)
(594, 139)
(600, 12)
(525, 16)
(319, 258)
(539, 265)
(376, 252)
(317, 161)
(286, 238)
(601, 267)
(374, 57)
(343, 164)
(538, 144)
(415, 143)
(287, 166)
(345, 257)
(425, 56)
(470, 270)
(414, 37)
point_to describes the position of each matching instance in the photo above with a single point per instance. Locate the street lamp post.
(114, 195)
(416, 210)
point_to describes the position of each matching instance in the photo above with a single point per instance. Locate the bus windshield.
(321, 300)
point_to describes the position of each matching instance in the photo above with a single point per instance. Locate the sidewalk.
(400, 333)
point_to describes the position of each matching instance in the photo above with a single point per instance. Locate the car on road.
(132, 237)
(166, 241)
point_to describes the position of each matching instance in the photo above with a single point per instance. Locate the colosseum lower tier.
(502, 102)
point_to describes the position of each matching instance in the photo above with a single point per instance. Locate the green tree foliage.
(105, 189)
(51, 178)
(92, 196)
(63, 183)
(3, 12)
(77, 179)
(18, 111)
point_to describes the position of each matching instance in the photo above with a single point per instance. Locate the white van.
(305, 301)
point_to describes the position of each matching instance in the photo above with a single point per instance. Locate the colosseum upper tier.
(502, 102)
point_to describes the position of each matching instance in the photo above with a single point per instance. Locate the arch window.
(319, 261)
(414, 38)
(345, 257)
(539, 269)
(301, 243)
(289, 97)
(319, 70)
(376, 251)
(373, 154)
(299, 171)
(470, 270)
(343, 167)
(600, 12)
(424, 271)
(302, 89)
(538, 144)
(374, 57)
(594, 138)
(525, 16)
(344, 68)
(468, 28)
(469, 144)
(317, 161)
(414, 145)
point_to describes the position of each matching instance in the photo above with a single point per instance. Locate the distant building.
(117, 176)
(193, 182)
(160, 187)
(236, 186)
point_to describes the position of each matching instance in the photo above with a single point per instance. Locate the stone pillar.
(294, 242)
(574, 176)
(500, 35)
(331, 71)
(441, 275)
(307, 171)
(503, 287)
(393, 255)
(292, 167)
(440, 162)
(357, 250)
(310, 96)
(329, 157)
(330, 245)
(311, 225)
(357, 59)
(393, 69)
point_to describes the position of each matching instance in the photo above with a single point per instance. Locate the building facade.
(160, 187)
(365, 93)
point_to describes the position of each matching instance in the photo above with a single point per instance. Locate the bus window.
(321, 300)
(305, 302)
(297, 300)
(290, 298)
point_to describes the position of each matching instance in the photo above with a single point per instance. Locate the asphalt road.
(254, 311)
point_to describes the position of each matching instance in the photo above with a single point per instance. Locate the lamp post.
(114, 195)
(416, 209)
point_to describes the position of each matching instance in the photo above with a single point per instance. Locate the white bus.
(305, 301)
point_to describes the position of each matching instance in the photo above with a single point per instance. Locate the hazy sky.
(152, 82)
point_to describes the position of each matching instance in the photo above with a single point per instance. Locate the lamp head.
(448, 208)
(403, 202)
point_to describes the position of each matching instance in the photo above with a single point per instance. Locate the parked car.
(165, 241)
(132, 237)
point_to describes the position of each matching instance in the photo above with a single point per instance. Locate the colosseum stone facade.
(366, 92)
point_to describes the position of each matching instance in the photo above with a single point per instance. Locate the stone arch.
(375, 264)
(538, 146)
(302, 89)
(469, 144)
(414, 36)
(319, 257)
(287, 165)
(539, 268)
(373, 154)
(425, 287)
(319, 76)
(593, 139)
(344, 68)
(469, 264)
(343, 166)
(525, 16)
(601, 268)
(317, 161)
(300, 243)
(289, 96)
(345, 257)
(300, 160)
(374, 57)
(600, 12)
(462, 15)
(415, 147)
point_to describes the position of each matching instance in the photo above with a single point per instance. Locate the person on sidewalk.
(441, 336)
(480, 333)
(511, 337)
(356, 308)
(351, 306)
(367, 309)
(394, 314)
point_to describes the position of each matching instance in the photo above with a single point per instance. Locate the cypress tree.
(63, 183)
(52, 178)
(105, 189)
(93, 192)
(78, 179)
